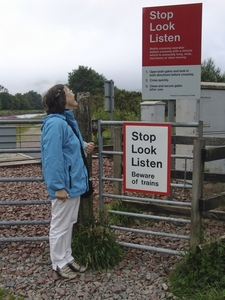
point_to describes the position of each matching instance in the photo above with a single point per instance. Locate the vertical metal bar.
(117, 160)
(185, 171)
(111, 109)
(171, 120)
(200, 129)
(100, 155)
(20, 140)
(197, 189)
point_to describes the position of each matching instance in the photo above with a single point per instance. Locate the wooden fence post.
(117, 160)
(83, 117)
(197, 190)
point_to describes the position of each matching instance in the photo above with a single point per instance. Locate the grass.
(122, 206)
(19, 112)
(4, 295)
(96, 247)
(200, 275)
(213, 188)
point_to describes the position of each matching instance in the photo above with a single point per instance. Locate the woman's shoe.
(76, 267)
(66, 272)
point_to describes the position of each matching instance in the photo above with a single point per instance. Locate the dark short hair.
(54, 100)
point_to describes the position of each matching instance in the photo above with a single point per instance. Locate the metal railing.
(103, 194)
(24, 144)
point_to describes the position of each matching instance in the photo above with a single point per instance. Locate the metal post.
(109, 102)
(197, 189)
(171, 120)
(100, 156)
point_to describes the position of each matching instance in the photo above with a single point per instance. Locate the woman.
(65, 175)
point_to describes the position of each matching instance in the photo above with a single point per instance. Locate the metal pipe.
(171, 184)
(177, 203)
(26, 222)
(25, 202)
(174, 124)
(116, 212)
(20, 179)
(24, 239)
(21, 150)
(21, 121)
(154, 249)
(151, 232)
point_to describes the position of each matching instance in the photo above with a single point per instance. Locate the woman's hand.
(89, 147)
(62, 195)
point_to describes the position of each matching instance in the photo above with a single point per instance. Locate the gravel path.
(26, 271)
(26, 268)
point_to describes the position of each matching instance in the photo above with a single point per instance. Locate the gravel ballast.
(26, 268)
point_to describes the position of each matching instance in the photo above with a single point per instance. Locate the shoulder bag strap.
(81, 147)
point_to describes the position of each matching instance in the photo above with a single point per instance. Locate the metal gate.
(27, 154)
(152, 218)
(150, 243)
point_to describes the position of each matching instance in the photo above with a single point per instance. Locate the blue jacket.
(62, 162)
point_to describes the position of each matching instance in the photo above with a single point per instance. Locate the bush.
(96, 247)
(200, 274)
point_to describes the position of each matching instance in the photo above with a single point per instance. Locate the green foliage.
(23, 102)
(97, 102)
(28, 101)
(34, 100)
(106, 137)
(200, 274)
(85, 79)
(99, 114)
(127, 101)
(122, 220)
(127, 104)
(126, 115)
(4, 295)
(118, 115)
(3, 89)
(7, 101)
(96, 247)
(209, 72)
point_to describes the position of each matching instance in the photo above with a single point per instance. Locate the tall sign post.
(171, 57)
(109, 101)
(171, 54)
(109, 96)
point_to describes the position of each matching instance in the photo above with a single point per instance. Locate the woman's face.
(70, 99)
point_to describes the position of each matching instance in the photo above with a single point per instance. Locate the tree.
(34, 100)
(127, 101)
(2, 89)
(85, 79)
(209, 72)
(15, 103)
(23, 102)
(7, 101)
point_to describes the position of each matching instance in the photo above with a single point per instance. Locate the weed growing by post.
(200, 274)
(96, 247)
(122, 220)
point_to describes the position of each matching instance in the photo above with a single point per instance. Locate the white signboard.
(171, 82)
(146, 157)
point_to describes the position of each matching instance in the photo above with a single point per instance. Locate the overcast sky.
(43, 40)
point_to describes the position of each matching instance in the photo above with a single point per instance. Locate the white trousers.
(64, 215)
